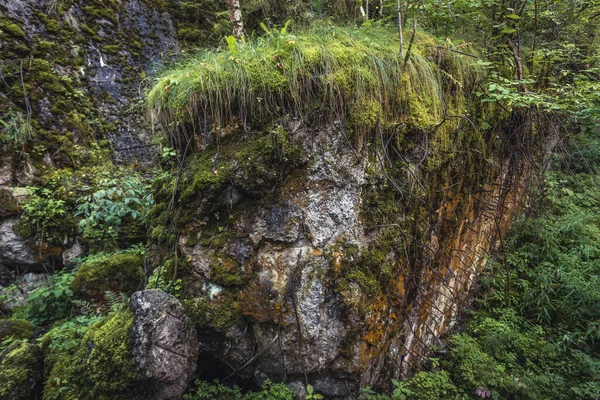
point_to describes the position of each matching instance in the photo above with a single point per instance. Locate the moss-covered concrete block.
(21, 371)
(16, 328)
(118, 273)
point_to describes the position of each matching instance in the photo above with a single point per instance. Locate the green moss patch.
(102, 367)
(10, 28)
(16, 328)
(120, 272)
(355, 75)
(219, 313)
(21, 368)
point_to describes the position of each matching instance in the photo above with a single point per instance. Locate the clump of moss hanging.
(352, 75)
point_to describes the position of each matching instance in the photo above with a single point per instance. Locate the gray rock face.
(284, 244)
(13, 248)
(73, 252)
(21, 288)
(109, 76)
(164, 341)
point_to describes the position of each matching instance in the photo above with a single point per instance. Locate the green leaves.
(115, 201)
(311, 394)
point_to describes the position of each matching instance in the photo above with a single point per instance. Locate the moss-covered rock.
(21, 366)
(16, 328)
(102, 367)
(117, 273)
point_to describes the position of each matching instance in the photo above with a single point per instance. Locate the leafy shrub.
(52, 302)
(114, 202)
(44, 214)
(432, 385)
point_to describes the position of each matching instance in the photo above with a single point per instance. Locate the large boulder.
(165, 345)
(21, 372)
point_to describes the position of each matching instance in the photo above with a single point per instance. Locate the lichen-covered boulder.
(165, 345)
(16, 328)
(117, 273)
(21, 371)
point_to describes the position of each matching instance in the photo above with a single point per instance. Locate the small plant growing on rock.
(311, 393)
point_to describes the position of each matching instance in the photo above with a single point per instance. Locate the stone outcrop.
(22, 255)
(328, 275)
(145, 351)
(165, 346)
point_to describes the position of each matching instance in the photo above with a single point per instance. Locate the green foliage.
(311, 394)
(51, 302)
(112, 203)
(15, 130)
(350, 74)
(43, 213)
(216, 390)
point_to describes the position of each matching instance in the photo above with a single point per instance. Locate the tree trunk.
(400, 26)
(235, 16)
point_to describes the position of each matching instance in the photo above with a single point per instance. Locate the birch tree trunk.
(235, 16)
(400, 26)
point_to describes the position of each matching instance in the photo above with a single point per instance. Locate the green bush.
(115, 204)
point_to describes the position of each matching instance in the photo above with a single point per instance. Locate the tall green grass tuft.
(328, 73)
